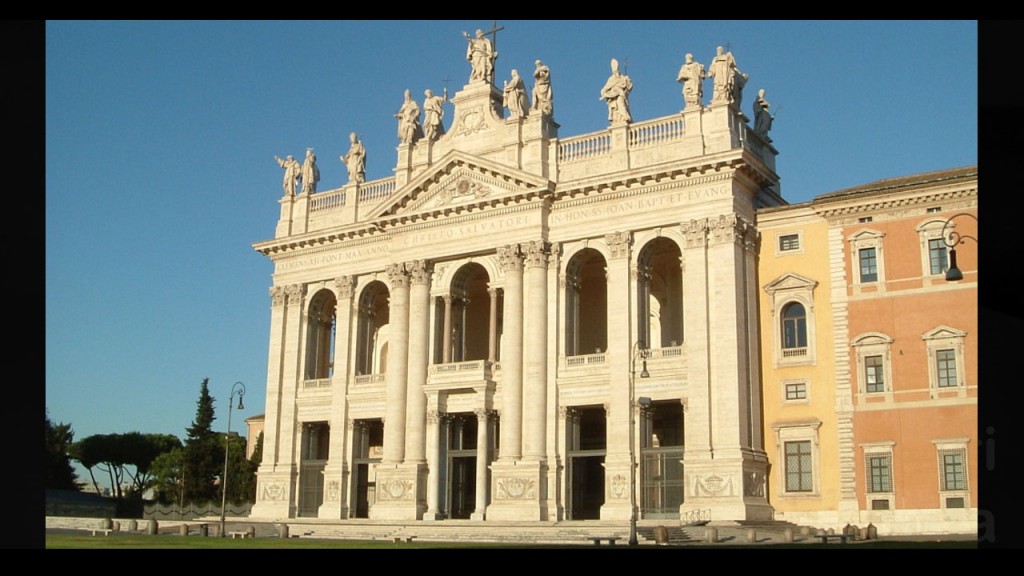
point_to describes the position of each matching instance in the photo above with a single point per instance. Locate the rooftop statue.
(355, 159)
(433, 113)
(729, 81)
(514, 97)
(762, 117)
(310, 173)
(542, 94)
(692, 75)
(481, 55)
(292, 173)
(409, 120)
(616, 93)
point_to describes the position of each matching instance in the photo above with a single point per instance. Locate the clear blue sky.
(160, 171)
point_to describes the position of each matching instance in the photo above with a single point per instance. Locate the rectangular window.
(953, 477)
(796, 391)
(799, 476)
(789, 242)
(879, 473)
(934, 209)
(865, 219)
(937, 262)
(868, 265)
(945, 367)
(874, 376)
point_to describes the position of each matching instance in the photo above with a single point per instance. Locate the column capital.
(345, 286)
(729, 228)
(695, 232)
(510, 258)
(619, 243)
(397, 275)
(294, 293)
(419, 271)
(536, 253)
(276, 296)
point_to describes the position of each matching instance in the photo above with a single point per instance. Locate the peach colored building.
(885, 428)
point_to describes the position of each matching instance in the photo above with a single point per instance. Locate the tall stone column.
(274, 475)
(511, 260)
(419, 336)
(482, 441)
(397, 493)
(621, 339)
(535, 356)
(492, 336)
(446, 338)
(433, 511)
(336, 471)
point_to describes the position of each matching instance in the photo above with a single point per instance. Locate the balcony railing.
(313, 384)
(370, 378)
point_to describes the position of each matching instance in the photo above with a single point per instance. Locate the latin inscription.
(335, 257)
(466, 230)
(638, 204)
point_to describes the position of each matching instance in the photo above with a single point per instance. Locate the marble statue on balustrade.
(310, 173)
(433, 114)
(543, 97)
(355, 159)
(616, 93)
(762, 117)
(409, 120)
(292, 173)
(481, 55)
(728, 80)
(692, 75)
(514, 96)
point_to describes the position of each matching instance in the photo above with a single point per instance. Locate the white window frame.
(873, 450)
(799, 243)
(798, 432)
(873, 344)
(784, 290)
(942, 448)
(806, 385)
(867, 238)
(945, 338)
(928, 230)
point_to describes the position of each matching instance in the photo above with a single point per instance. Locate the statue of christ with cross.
(481, 53)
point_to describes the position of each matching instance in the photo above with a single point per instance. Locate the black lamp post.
(238, 388)
(641, 351)
(953, 273)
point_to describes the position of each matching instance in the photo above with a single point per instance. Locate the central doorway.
(462, 454)
(586, 435)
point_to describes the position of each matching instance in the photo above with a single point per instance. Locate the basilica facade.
(524, 326)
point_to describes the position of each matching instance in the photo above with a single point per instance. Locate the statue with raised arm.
(762, 117)
(543, 98)
(310, 173)
(481, 55)
(433, 113)
(692, 75)
(514, 96)
(409, 120)
(292, 173)
(616, 93)
(355, 159)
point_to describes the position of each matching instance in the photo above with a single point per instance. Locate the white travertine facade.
(484, 334)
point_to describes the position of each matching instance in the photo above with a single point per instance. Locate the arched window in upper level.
(586, 303)
(660, 294)
(320, 327)
(372, 335)
(794, 329)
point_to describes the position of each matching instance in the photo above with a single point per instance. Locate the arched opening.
(660, 294)
(320, 326)
(371, 338)
(794, 329)
(466, 317)
(586, 304)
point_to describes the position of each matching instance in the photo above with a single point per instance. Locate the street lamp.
(641, 351)
(954, 238)
(240, 389)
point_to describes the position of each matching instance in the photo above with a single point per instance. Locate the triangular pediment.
(940, 332)
(461, 182)
(790, 281)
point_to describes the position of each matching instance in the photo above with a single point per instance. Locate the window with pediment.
(867, 257)
(792, 307)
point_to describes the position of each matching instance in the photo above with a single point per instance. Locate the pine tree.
(204, 453)
(59, 472)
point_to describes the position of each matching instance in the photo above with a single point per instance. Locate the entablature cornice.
(625, 183)
(322, 241)
(836, 209)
